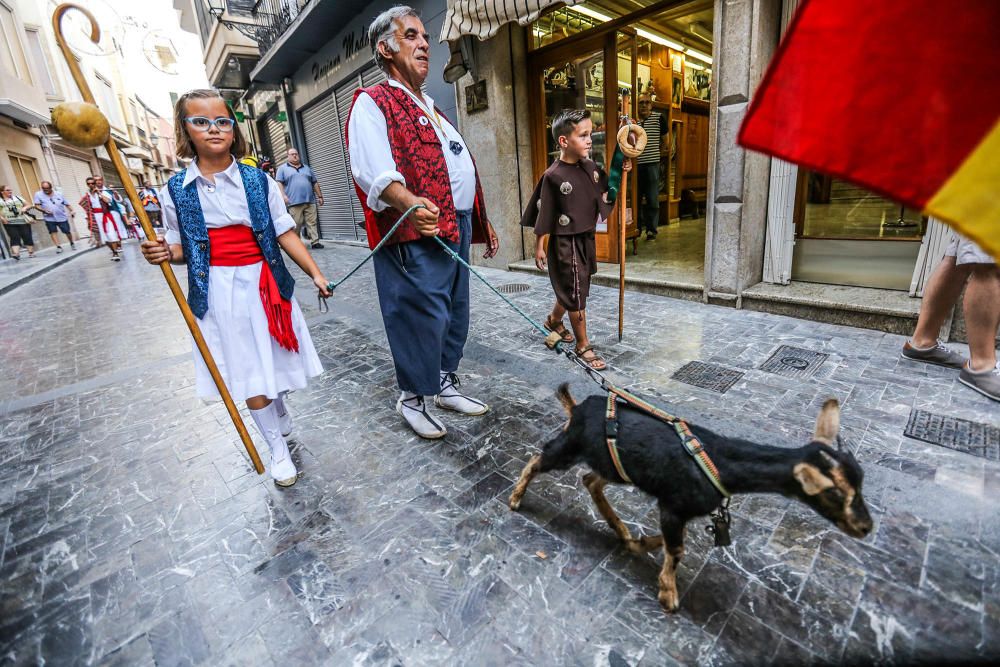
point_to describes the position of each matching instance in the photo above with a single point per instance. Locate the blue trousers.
(424, 297)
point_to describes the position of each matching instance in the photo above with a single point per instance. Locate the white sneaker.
(284, 416)
(58, 249)
(451, 398)
(423, 423)
(283, 470)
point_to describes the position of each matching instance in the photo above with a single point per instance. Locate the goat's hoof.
(669, 602)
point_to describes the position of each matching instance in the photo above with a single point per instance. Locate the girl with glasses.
(227, 222)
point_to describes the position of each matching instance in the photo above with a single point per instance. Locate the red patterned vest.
(419, 157)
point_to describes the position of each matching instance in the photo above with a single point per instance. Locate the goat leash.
(692, 445)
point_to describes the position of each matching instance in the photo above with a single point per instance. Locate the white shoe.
(451, 398)
(284, 416)
(58, 249)
(283, 470)
(423, 423)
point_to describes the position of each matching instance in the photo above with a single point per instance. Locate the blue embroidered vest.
(194, 234)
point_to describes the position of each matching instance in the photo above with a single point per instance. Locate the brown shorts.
(572, 260)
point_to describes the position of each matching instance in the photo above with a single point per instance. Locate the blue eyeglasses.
(202, 124)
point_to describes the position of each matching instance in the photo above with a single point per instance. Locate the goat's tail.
(565, 398)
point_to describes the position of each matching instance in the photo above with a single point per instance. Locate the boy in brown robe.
(566, 206)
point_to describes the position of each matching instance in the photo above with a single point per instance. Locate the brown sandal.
(559, 328)
(594, 360)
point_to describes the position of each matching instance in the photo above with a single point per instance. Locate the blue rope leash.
(551, 341)
(333, 285)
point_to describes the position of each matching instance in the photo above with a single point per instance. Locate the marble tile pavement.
(133, 530)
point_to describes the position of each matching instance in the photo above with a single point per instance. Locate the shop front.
(597, 56)
(735, 228)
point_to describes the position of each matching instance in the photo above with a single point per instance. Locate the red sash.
(106, 219)
(235, 246)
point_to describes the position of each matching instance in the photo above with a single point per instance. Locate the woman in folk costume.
(107, 212)
(228, 223)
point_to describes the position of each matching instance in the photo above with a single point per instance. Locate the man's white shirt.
(372, 164)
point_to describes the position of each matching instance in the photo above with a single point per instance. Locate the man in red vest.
(404, 152)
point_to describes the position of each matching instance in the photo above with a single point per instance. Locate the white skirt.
(235, 328)
(114, 232)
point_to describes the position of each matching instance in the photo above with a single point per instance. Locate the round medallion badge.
(566, 187)
(564, 220)
(596, 177)
(539, 203)
(423, 120)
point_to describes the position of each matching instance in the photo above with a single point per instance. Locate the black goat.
(827, 479)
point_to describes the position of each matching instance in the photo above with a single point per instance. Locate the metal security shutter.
(325, 153)
(111, 178)
(372, 76)
(71, 173)
(344, 95)
(276, 139)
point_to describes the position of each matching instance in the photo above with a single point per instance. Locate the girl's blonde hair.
(185, 148)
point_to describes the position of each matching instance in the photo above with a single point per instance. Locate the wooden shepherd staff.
(168, 272)
(632, 140)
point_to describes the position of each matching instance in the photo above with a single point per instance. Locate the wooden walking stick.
(632, 140)
(168, 272)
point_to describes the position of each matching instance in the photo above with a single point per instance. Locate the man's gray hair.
(383, 29)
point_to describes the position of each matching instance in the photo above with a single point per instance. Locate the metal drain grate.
(707, 376)
(961, 435)
(794, 362)
(513, 288)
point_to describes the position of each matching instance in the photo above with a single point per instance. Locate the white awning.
(484, 18)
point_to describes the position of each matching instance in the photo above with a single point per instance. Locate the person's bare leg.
(15, 250)
(558, 312)
(258, 402)
(55, 238)
(578, 320)
(982, 315)
(940, 295)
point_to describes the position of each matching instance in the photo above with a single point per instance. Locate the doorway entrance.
(655, 66)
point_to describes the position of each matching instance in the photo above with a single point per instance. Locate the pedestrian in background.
(84, 203)
(150, 203)
(56, 212)
(648, 166)
(227, 222)
(108, 215)
(965, 265)
(16, 222)
(301, 192)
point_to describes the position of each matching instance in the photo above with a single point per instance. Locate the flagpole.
(168, 272)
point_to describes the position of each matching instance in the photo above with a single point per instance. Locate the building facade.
(33, 79)
(736, 228)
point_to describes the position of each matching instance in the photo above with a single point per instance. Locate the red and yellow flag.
(899, 96)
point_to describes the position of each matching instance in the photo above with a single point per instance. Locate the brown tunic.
(566, 205)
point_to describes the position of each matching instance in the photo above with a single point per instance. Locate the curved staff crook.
(168, 272)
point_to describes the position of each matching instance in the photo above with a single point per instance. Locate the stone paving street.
(135, 532)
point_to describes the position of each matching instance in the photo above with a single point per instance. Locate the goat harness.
(692, 445)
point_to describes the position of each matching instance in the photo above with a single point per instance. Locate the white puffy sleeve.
(169, 217)
(279, 212)
(371, 156)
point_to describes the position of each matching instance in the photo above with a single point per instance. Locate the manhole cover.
(794, 362)
(512, 288)
(707, 376)
(961, 435)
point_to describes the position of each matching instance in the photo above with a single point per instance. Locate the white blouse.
(371, 156)
(224, 202)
